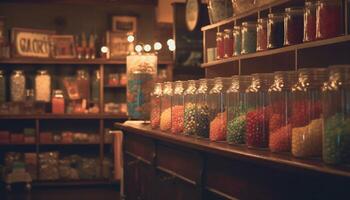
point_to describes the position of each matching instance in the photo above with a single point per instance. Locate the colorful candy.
(257, 129)
(218, 127)
(202, 121)
(280, 139)
(236, 130)
(165, 120)
(190, 119)
(177, 120)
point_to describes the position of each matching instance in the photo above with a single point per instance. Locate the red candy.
(218, 127)
(280, 139)
(257, 128)
(177, 119)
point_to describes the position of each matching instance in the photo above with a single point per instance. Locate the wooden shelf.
(115, 86)
(66, 116)
(70, 144)
(91, 182)
(318, 43)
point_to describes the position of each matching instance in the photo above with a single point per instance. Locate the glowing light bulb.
(104, 49)
(138, 48)
(170, 42)
(172, 47)
(157, 46)
(131, 38)
(147, 48)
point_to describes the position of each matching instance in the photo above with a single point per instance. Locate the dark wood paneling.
(224, 70)
(139, 146)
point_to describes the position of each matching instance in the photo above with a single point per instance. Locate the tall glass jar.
(306, 112)
(156, 105)
(17, 86)
(237, 109)
(248, 37)
(43, 86)
(280, 102)
(83, 82)
(217, 108)
(257, 118)
(261, 31)
(2, 87)
(293, 26)
(190, 108)
(58, 105)
(165, 108)
(202, 109)
(329, 18)
(220, 51)
(177, 108)
(237, 37)
(228, 43)
(309, 21)
(275, 30)
(95, 85)
(336, 124)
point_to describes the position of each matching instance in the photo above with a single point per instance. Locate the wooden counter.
(158, 165)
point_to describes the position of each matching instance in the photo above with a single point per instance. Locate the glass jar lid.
(248, 24)
(237, 28)
(42, 72)
(178, 89)
(191, 87)
(262, 20)
(219, 34)
(157, 89)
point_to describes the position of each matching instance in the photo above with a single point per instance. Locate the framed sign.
(118, 44)
(33, 43)
(63, 46)
(124, 24)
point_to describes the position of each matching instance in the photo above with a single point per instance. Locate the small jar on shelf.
(228, 43)
(190, 108)
(248, 37)
(156, 105)
(275, 30)
(165, 109)
(2, 87)
(43, 86)
(83, 82)
(293, 26)
(220, 51)
(306, 111)
(261, 34)
(202, 109)
(329, 18)
(237, 40)
(113, 79)
(177, 108)
(95, 86)
(58, 104)
(17, 86)
(309, 21)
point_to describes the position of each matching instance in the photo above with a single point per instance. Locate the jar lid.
(219, 34)
(237, 27)
(43, 71)
(248, 23)
(276, 15)
(227, 30)
(18, 71)
(295, 10)
(262, 20)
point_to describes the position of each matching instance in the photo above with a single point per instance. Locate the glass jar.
(17, 86)
(58, 102)
(2, 87)
(165, 108)
(220, 51)
(309, 21)
(237, 109)
(155, 105)
(113, 79)
(217, 109)
(275, 30)
(177, 108)
(29, 106)
(306, 112)
(280, 131)
(261, 32)
(248, 37)
(293, 26)
(257, 118)
(95, 93)
(202, 110)
(336, 129)
(228, 43)
(328, 18)
(190, 108)
(237, 37)
(219, 10)
(43, 86)
(83, 82)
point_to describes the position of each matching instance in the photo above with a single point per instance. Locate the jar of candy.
(220, 51)
(275, 30)
(155, 105)
(165, 108)
(217, 107)
(257, 117)
(57, 102)
(2, 87)
(237, 109)
(95, 93)
(190, 108)
(309, 21)
(228, 43)
(306, 112)
(17, 86)
(248, 37)
(293, 26)
(113, 79)
(177, 108)
(280, 130)
(83, 82)
(219, 10)
(329, 18)
(43, 86)
(237, 37)
(261, 32)
(336, 121)
(202, 110)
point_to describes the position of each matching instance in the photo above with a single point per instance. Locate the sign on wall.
(30, 42)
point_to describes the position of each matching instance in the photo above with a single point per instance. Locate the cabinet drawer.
(139, 146)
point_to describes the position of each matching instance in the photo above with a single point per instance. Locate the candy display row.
(303, 112)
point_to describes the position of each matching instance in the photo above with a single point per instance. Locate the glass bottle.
(17, 86)
(237, 36)
(2, 87)
(328, 18)
(29, 106)
(190, 108)
(280, 131)
(220, 51)
(156, 105)
(202, 109)
(293, 26)
(336, 121)
(228, 43)
(275, 30)
(42, 86)
(248, 37)
(177, 108)
(95, 93)
(58, 105)
(309, 21)
(165, 109)
(83, 82)
(236, 109)
(257, 118)
(261, 32)
(306, 112)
